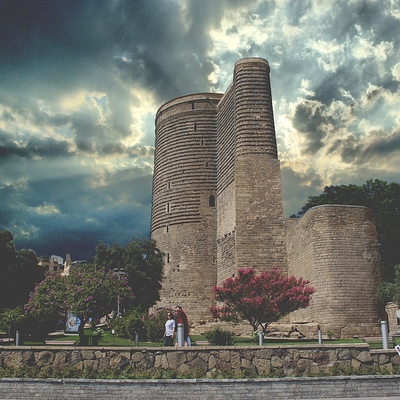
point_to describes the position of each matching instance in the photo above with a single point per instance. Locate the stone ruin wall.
(336, 248)
(183, 222)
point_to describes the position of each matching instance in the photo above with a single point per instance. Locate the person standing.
(169, 331)
(182, 319)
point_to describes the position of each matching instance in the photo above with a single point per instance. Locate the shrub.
(219, 337)
(127, 325)
(154, 323)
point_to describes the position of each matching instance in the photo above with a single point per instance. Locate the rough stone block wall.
(260, 226)
(290, 359)
(226, 188)
(335, 247)
(226, 139)
(226, 256)
(391, 311)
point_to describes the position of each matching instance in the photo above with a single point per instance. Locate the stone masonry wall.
(226, 187)
(335, 247)
(291, 360)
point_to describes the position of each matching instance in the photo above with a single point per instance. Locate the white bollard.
(260, 338)
(385, 335)
(319, 336)
(181, 335)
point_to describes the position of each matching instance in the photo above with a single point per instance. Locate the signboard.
(72, 323)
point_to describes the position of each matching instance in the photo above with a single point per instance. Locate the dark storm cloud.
(383, 146)
(80, 213)
(309, 120)
(379, 146)
(32, 148)
(298, 188)
(76, 139)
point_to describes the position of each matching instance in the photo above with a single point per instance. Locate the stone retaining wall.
(291, 360)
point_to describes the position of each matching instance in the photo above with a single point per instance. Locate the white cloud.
(46, 209)
(305, 83)
(329, 54)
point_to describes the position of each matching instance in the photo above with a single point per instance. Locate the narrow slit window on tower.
(168, 185)
(167, 208)
(206, 163)
(192, 105)
(211, 201)
(195, 126)
(166, 228)
(167, 258)
(202, 142)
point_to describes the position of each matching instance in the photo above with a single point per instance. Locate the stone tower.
(184, 221)
(217, 207)
(250, 229)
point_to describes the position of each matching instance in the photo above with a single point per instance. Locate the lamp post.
(119, 271)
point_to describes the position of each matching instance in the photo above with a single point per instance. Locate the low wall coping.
(195, 348)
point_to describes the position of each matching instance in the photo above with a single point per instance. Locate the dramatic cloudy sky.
(81, 81)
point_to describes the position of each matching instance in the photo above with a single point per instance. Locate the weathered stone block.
(198, 363)
(44, 358)
(364, 357)
(176, 359)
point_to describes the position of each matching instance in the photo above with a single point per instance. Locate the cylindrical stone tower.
(251, 227)
(184, 201)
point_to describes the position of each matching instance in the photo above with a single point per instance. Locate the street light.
(119, 271)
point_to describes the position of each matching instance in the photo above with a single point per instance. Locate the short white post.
(260, 338)
(181, 335)
(319, 336)
(385, 335)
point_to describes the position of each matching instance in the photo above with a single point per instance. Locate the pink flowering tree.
(89, 293)
(260, 299)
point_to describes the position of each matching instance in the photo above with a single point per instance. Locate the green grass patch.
(114, 340)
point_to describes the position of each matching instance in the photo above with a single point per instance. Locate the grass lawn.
(113, 340)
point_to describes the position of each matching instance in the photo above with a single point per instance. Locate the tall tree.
(141, 262)
(260, 299)
(19, 272)
(108, 257)
(384, 200)
(144, 267)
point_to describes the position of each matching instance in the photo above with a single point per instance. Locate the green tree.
(19, 272)
(395, 287)
(384, 200)
(10, 318)
(141, 262)
(89, 293)
(107, 258)
(144, 267)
